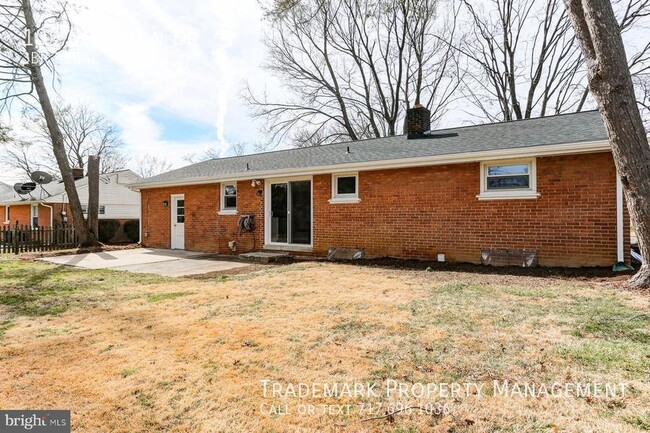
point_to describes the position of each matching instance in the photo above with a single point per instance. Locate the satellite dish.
(18, 187)
(28, 187)
(41, 178)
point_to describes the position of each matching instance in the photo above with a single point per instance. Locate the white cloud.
(187, 59)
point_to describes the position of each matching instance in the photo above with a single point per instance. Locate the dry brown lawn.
(134, 353)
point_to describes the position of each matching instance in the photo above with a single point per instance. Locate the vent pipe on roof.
(418, 121)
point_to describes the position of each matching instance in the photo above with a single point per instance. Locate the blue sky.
(169, 73)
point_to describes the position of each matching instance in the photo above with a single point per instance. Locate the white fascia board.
(21, 203)
(456, 158)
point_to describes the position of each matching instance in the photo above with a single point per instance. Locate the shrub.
(107, 229)
(132, 230)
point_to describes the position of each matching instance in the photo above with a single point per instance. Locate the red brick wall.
(23, 214)
(248, 202)
(205, 229)
(420, 212)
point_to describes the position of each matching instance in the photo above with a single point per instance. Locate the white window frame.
(280, 246)
(344, 198)
(7, 214)
(34, 214)
(514, 193)
(100, 211)
(222, 199)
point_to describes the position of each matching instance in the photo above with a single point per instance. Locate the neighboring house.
(5, 190)
(48, 204)
(546, 184)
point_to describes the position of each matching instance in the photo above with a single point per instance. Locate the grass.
(128, 372)
(129, 352)
(30, 288)
(165, 296)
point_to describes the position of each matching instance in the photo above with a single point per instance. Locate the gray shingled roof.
(562, 129)
(5, 189)
(40, 193)
(46, 193)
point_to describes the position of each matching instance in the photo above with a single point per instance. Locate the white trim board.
(457, 158)
(509, 194)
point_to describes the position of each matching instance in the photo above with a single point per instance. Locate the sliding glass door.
(290, 210)
(279, 213)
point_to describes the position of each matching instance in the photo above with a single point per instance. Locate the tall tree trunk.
(86, 238)
(611, 85)
(93, 195)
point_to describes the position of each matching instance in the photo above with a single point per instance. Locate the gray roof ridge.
(580, 127)
(365, 140)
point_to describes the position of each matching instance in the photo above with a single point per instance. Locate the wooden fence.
(23, 239)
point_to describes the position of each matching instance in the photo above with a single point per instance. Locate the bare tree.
(93, 194)
(4, 134)
(85, 133)
(351, 67)
(238, 148)
(20, 155)
(642, 87)
(523, 59)
(23, 60)
(193, 158)
(150, 165)
(611, 84)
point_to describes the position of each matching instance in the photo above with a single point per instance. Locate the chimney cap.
(77, 173)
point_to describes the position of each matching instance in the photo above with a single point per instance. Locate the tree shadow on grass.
(36, 279)
(31, 296)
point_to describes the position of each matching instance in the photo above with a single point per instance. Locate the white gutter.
(620, 226)
(458, 158)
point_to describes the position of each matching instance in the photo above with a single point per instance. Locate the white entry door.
(178, 222)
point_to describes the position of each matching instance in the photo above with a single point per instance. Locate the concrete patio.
(171, 263)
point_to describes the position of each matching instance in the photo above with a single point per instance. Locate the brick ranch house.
(47, 206)
(546, 184)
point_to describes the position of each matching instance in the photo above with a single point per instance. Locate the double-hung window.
(34, 215)
(512, 179)
(228, 198)
(102, 209)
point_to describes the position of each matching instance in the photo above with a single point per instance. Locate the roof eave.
(18, 203)
(457, 158)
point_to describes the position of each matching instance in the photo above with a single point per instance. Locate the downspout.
(620, 265)
(51, 214)
(140, 220)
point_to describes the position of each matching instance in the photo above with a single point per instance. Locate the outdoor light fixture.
(165, 203)
(255, 183)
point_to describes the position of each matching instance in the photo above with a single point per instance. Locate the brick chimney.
(418, 121)
(77, 173)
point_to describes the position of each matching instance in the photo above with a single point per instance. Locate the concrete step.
(266, 257)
